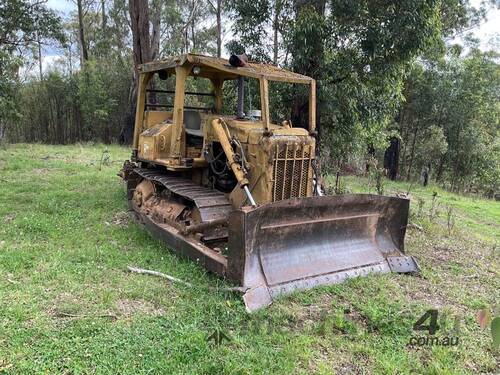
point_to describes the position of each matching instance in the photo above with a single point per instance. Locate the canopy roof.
(214, 67)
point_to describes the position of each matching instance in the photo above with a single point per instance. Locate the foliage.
(25, 21)
(21, 23)
(451, 119)
(102, 94)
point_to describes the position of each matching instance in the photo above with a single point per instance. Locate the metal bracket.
(403, 264)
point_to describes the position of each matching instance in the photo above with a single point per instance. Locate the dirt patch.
(65, 305)
(349, 368)
(355, 316)
(9, 217)
(442, 254)
(340, 361)
(41, 171)
(427, 295)
(130, 307)
(121, 219)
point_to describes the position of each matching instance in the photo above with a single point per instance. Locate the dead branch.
(415, 226)
(67, 315)
(185, 283)
(191, 16)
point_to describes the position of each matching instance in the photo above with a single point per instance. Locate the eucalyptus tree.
(358, 51)
(22, 23)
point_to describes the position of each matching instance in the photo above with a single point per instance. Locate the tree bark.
(2, 130)
(83, 47)
(142, 53)
(103, 17)
(156, 29)
(440, 167)
(139, 20)
(218, 12)
(412, 153)
(193, 36)
(277, 11)
(391, 158)
(40, 64)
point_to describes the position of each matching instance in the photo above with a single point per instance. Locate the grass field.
(67, 304)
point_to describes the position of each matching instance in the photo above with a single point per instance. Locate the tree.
(358, 52)
(217, 8)
(142, 53)
(21, 24)
(81, 33)
(450, 119)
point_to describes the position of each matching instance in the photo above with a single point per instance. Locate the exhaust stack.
(241, 97)
(239, 61)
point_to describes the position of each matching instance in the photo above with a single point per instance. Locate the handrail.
(185, 93)
(171, 106)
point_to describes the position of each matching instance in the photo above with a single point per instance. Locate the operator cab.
(178, 98)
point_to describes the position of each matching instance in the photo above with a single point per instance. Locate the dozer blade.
(301, 243)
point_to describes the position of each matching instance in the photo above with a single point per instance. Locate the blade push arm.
(223, 136)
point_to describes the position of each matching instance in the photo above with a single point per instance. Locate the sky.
(486, 32)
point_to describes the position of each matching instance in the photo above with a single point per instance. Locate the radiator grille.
(292, 163)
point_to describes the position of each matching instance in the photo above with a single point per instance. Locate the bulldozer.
(240, 193)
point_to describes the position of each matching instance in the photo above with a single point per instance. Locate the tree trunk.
(193, 37)
(139, 20)
(404, 122)
(83, 47)
(218, 12)
(391, 158)
(156, 31)
(70, 58)
(2, 131)
(277, 11)
(103, 17)
(141, 45)
(40, 66)
(412, 153)
(440, 168)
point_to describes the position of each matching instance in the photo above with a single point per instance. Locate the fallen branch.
(416, 226)
(67, 315)
(470, 277)
(185, 283)
(159, 274)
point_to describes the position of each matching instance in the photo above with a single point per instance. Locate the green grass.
(478, 217)
(67, 304)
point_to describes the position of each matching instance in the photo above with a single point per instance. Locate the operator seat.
(192, 122)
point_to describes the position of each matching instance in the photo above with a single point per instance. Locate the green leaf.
(495, 331)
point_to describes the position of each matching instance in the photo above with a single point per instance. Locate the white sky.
(486, 32)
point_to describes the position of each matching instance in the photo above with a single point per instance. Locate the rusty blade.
(299, 243)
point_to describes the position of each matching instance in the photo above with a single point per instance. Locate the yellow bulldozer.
(239, 193)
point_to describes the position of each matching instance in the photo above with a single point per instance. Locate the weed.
(450, 219)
